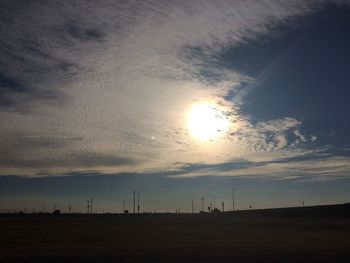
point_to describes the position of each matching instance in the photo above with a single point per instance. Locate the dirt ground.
(315, 234)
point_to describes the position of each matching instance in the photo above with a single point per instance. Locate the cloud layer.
(106, 86)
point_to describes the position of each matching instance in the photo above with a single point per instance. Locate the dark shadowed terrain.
(310, 234)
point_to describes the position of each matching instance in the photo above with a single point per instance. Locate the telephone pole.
(123, 206)
(202, 199)
(223, 206)
(213, 197)
(138, 202)
(192, 207)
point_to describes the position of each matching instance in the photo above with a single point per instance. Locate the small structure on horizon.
(56, 212)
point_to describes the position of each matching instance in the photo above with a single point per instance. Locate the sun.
(207, 121)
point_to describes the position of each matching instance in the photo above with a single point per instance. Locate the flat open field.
(310, 234)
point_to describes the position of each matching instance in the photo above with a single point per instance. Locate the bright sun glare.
(207, 122)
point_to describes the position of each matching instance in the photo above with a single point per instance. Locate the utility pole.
(202, 203)
(70, 208)
(54, 207)
(233, 200)
(138, 202)
(223, 206)
(123, 206)
(192, 207)
(88, 206)
(134, 200)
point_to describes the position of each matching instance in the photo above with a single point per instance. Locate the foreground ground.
(310, 234)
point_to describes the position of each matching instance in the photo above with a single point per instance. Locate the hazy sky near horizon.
(109, 88)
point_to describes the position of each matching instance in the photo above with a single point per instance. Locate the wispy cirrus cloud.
(306, 166)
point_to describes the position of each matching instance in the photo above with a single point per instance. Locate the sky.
(176, 99)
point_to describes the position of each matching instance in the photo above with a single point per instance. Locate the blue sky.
(98, 99)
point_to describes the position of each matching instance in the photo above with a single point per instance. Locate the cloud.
(54, 154)
(107, 85)
(278, 126)
(310, 169)
(269, 136)
(17, 97)
(83, 34)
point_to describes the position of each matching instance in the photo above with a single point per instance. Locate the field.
(310, 234)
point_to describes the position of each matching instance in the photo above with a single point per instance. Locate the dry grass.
(252, 236)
